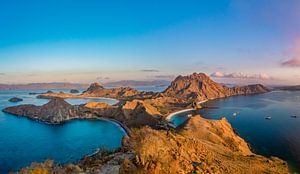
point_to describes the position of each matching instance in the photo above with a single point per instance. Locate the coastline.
(169, 117)
(123, 126)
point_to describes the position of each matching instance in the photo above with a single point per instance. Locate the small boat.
(294, 116)
(234, 114)
(189, 115)
(268, 118)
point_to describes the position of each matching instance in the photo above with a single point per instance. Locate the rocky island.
(15, 99)
(197, 146)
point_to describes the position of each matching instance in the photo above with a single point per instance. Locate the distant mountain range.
(133, 83)
(288, 88)
(41, 86)
(123, 83)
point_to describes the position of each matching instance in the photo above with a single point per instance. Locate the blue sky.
(84, 41)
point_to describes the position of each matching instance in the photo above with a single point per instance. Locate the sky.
(233, 41)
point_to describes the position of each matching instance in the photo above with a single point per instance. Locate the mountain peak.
(200, 87)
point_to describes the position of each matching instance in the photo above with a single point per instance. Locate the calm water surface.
(23, 141)
(279, 136)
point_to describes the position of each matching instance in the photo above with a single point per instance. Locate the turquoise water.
(279, 136)
(23, 141)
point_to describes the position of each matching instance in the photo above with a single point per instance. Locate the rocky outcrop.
(15, 99)
(54, 112)
(199, 87)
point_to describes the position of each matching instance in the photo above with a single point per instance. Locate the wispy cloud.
(149, 70)
(103, 78)
(294, 53)
(165, 76)
(241, 75)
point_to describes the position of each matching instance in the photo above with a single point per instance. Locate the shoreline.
(169, 117)
(76, 97)
(123, 126)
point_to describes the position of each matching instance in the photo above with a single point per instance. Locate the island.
(15, 99)
(153, 145)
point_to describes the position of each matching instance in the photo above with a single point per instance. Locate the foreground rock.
(200, 146)
(15, 99)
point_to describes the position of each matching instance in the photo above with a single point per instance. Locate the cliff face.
(199, 87)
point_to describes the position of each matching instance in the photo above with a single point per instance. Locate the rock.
(74, 91)
(15, 99)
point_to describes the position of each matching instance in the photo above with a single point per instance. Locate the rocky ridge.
(199, 87)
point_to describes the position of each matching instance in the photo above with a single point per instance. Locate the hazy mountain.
(42, 86)
(133, 83)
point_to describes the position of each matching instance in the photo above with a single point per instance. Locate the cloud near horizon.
(241, 75)
(295, 54)
(165, 76)
(149, 70)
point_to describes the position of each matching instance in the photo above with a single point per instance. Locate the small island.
(74, 91)
(15, 99)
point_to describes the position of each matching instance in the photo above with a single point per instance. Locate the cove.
(24, 141)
